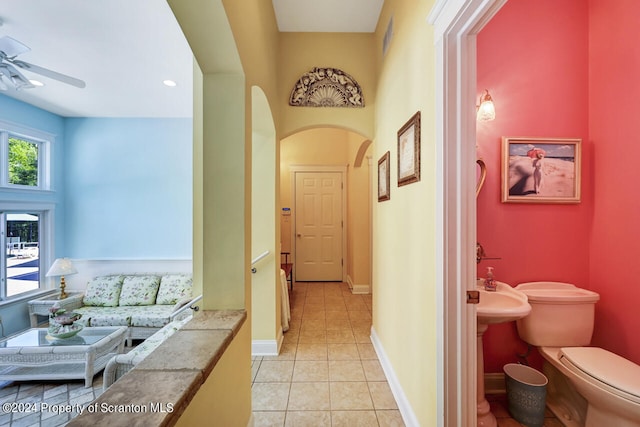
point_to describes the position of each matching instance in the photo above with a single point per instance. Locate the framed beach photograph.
(541, 170)
(384, 181)
(409, 151)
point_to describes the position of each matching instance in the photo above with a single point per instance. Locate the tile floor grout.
(327, 373)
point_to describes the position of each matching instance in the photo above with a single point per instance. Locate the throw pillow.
(103, 291)
(174, 287)
(139, 290)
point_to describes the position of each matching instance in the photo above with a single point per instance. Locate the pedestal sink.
(505, 304)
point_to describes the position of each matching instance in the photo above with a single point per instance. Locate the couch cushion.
(105, 316)
(103, 291)
(152, 316)
(139, 290)
(173, 288)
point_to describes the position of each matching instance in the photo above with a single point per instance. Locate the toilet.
(588, 386)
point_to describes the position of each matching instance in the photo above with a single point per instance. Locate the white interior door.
(318, 226)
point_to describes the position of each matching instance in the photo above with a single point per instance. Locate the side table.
(41, 306)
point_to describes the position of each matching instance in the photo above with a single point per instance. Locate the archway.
(331, 146)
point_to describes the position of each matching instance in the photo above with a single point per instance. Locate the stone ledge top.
(159, 389)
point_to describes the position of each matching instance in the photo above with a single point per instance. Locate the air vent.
(387, 37)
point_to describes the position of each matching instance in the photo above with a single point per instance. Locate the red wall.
(566, 68)
(614, 131)
(533, 58)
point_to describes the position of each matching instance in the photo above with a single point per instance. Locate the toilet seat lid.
(609, 368)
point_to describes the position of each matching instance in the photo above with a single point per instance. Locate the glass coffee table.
(34, 355)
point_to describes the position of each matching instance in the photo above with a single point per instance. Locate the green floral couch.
(143, 302)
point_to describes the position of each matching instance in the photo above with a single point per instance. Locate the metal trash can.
(526, 394)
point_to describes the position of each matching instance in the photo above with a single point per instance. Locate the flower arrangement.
(61, 323)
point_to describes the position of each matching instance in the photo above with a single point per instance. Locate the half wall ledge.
(159, 389)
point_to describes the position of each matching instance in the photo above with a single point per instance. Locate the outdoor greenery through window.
(24, 158)
(26, 222)
(23, 162)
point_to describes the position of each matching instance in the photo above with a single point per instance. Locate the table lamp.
(61, 267)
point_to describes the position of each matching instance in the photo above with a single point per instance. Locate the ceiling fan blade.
(12, 47)
(49, 73)
(16, 78)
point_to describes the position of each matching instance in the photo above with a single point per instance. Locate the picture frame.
(384, 177)
(409, 151)
(541, 170)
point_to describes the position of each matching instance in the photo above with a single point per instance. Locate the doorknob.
(299, 235)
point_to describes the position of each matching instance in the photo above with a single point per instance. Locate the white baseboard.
(408, 416)
(358, 289)
(267, 347)
(264, 348)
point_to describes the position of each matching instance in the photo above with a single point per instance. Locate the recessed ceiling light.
(36, 82)
(170, 83)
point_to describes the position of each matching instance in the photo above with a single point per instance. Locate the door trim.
(456, 24)
(293, 169)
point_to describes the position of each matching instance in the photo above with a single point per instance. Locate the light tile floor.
(327, 373)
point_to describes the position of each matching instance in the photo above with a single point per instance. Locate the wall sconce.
(486, 109)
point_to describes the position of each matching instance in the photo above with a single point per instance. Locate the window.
(21, 269)
(26, 224)
(24, 157)
(23, 162)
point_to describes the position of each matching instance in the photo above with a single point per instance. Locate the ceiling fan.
(10, 67)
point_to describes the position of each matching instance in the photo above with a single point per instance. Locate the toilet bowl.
(588, 386)
(609, 384)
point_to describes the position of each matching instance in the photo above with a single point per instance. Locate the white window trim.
(44, 140)
(46, 211)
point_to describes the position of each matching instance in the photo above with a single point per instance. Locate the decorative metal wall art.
(326, 87)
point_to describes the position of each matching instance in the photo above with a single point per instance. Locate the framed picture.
(384, 181)
(541, 170)
(409, 151)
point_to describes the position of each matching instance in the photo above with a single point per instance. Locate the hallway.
(327, 373)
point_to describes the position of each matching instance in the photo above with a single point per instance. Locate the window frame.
(43, 140)
(16, 198)
(45, 244)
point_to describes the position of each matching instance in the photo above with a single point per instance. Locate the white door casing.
(456, 23)
(318, 234)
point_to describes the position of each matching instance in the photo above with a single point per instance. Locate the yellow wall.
(394, 88)
(352, 53)
(358, 214)
(234, 44)
(217, 402)
(332, 147)
(404, 249)
(265, 289)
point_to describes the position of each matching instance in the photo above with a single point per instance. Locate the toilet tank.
(561, 314)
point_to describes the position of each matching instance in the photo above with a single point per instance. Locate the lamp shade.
(486, 109)
(61, 267)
